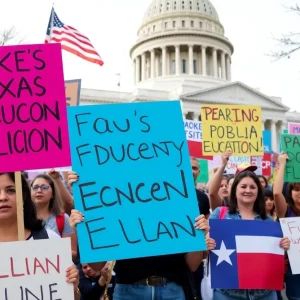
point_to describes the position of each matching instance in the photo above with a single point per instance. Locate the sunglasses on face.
(43, 187)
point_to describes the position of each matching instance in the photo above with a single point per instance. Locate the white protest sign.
(35, 270)
(62, 169)
(258, 162)
(193, 130)
(235, 161)
(291, 229)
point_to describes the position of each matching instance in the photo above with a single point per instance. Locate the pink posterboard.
(294, 128)
(33, 113)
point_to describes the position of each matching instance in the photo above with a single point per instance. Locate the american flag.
(71, 40)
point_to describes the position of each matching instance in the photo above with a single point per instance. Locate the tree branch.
(289, 42)
(10, 36)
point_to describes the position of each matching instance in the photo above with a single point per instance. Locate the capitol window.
(192, 23)
(183, 66)
(166, 25)
(174, 24)
(183, 23)
(195, 66)
(173, 66)
(153, 27)
(200, 24)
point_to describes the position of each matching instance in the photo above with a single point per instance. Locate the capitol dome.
(181, 40)
(160, 8)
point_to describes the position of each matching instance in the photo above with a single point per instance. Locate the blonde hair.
(56, 204)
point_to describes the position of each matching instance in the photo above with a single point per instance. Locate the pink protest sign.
(294, 128)
(33, 115)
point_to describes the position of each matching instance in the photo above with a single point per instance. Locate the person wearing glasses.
(49, 207)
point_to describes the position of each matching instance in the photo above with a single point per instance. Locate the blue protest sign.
(267, 136)
(136, 188)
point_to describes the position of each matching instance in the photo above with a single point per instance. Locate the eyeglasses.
(43, 187)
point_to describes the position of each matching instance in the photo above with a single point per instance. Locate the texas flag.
(247, 255)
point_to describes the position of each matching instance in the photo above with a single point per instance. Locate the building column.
(191, 59)
(283, 126)
(168, 62)
(228, 68)
(199, 63)
(177, 59)
(152, 67)
(263, 124)
(143, 66)
(215, 63)
(203, 53)
(134, 71)
(164, 61)
(274, 135)
(137, 66)
(223, 65)
(156, 65)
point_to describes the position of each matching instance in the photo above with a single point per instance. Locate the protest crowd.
(127, 202)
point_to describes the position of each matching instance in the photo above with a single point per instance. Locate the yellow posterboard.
(232, 127)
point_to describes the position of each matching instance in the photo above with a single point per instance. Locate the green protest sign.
(291, 145)
(203, 177)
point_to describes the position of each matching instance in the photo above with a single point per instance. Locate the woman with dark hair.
(263, 181)
(34, 228)
(286, 207)
(246, 202)
(50, 207)
(270, 205)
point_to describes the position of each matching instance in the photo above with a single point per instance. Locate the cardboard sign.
(193, 131)
(204, 174)
(294, 128)
(291, 229)
(152, 209)
(73, 92)
(33, 119)
(232, 127)
(234, 162)
(291, 145)
(267, 141)
(35, 270)
(263, 164)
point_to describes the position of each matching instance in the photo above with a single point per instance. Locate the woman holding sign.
(286, 207)
(151, 278)
(246, 203)
(34, 228)
(49, 204)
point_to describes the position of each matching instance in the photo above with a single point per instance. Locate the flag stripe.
(63, 39)
(71, 29)
(73, 35)
(260, 270)
(72, 50)
(258, 244)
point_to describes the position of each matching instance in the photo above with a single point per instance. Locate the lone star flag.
(71, 40)
(247, 255)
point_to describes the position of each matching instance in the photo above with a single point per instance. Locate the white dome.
(159, 8)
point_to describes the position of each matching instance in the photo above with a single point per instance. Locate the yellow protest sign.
(237, 128)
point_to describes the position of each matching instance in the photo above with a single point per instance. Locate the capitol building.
(182, 52)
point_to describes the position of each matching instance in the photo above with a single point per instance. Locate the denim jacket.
(241, 294)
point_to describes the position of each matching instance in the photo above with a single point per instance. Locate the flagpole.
(52, 21)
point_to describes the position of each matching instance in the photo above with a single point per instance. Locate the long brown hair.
(56, 203)
(289, 199)
(259, 204)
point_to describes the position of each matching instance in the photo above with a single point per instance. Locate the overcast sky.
(112, 25)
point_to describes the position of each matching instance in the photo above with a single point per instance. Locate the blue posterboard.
(267, 136)
(136, 188)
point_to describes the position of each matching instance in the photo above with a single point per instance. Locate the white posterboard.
(35, 270)
(291, 229)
